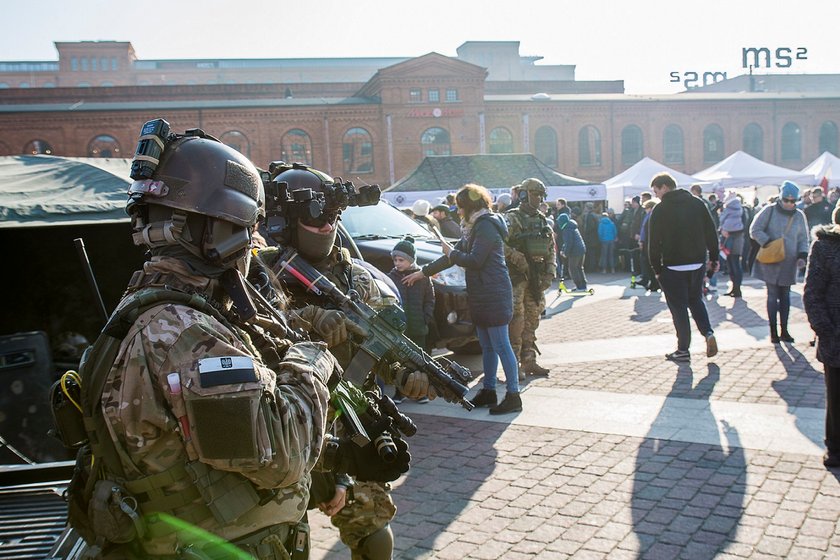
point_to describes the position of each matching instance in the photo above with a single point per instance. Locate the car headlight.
(452, 276)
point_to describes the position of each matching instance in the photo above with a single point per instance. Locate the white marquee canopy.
(636, 180)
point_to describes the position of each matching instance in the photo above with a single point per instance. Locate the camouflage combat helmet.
(533, 185)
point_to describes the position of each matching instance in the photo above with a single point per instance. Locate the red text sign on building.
(433, 112)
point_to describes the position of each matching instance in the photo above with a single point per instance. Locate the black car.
(376, 229)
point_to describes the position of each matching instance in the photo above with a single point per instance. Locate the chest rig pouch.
(228, 403)
(536, 239)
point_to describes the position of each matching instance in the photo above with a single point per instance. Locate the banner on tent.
(572, 193)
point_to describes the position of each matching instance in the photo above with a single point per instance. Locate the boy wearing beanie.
(418, 300)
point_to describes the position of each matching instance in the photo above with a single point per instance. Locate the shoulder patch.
(226, 370)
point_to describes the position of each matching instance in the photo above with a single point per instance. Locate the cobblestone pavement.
(686, 473)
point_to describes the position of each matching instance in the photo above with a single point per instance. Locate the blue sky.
(642, 42)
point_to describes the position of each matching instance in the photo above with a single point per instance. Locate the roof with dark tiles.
(494, 171)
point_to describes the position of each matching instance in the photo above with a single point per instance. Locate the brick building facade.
(374, 119)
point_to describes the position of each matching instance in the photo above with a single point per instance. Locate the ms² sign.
(751, 57)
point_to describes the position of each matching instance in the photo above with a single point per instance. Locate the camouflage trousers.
(526, 319)
(372, 510)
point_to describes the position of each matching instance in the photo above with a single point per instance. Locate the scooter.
(561, 288)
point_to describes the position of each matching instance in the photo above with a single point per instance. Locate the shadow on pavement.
(744, 316)
(452, 466)
(646, 306)
(802, 386)
(452, 463)
(688, 498)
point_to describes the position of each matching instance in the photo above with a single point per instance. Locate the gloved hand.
(330, 324)
(367, 464)
(414, 384)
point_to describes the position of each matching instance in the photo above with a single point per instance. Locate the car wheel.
(470, 348)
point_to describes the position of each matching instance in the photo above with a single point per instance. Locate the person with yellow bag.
(781, 230)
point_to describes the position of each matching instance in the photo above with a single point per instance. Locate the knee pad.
(379, 545)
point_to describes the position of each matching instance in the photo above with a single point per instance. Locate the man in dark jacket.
(819, 212)
(682, 234)
(448, 226)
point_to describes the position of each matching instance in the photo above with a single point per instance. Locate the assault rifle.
(384, 340)
(363, 415)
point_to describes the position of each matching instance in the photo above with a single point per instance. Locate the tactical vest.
(106, 504)
(535, 240)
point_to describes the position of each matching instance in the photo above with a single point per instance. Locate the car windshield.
(382, 220)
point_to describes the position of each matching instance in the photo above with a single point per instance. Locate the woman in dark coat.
(489, 291)
(822, 304)
(781, 220)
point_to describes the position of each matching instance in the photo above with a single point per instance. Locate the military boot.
(530, 366)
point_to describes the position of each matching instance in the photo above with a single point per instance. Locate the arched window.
(791, 141)
(296, 147)
(713, 150)
(589, 146)
(435, 142)
(501, 141)
(828, 137)
(357, 151)
(237, 141)
(754, 140)
(545, 145)
(37, 147)
(104, 145)
(5, 150)
(632, 147)
(673, 147)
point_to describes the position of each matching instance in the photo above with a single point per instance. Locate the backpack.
(93, 495)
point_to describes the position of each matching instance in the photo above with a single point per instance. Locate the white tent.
(636, 180)
(743, 170)
(826, 166)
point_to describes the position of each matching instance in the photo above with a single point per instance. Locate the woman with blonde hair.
(489, 291)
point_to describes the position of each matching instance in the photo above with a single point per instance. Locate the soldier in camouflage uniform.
(365, 524)
(214, 425)
(531, 258)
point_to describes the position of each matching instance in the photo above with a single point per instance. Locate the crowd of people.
(677, 241)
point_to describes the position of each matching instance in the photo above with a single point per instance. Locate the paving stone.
(489, 488)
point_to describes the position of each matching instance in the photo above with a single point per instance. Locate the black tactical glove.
(384, 459)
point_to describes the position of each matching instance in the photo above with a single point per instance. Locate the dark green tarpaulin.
(44, 190)
(450, 173)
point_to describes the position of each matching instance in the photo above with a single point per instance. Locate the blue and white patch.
(226, 370)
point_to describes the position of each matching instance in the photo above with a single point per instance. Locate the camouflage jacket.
(161, 422)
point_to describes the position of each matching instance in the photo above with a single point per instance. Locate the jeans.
(736, 273)
(607, 256)
(778, 305)
(576, 271)
(495, 344)
(683, 291)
